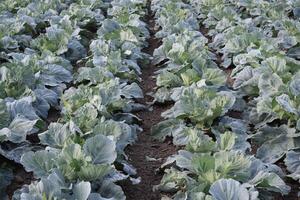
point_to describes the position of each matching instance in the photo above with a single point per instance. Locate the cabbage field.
(149, 99)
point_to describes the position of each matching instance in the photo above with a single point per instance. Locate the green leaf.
(270, 84)
(232, 164)
(173, 180)
(101, 149)
(292, 162)
(198, 142)
(19, 128)
(82, 190)
(201, 105)
(277, 64)
(275, 142)
(85, 117)
(162, 95)
(53, 75)
(214, 76)
(295, 84)
(190, 76)
(132, 91)
(110, 190)
(95, 75)
(40, 163)
(166, 128)
(231, 189)
(56, 135)
(92, 172)
(286, 103)
(203, 163)
(22, 107)
(168, 79)
(227, 141)
(4, 115)
(271, 182)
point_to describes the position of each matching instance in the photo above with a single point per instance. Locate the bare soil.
(21, 177)
(293, 195)
(145, 145)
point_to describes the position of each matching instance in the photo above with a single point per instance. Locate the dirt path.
(145, 146)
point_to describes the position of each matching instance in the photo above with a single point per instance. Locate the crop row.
(232, 69)
(77, 60)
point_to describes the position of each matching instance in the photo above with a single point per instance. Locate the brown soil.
(293, 195)
(53, 116)
(21, 177)
(145, 145)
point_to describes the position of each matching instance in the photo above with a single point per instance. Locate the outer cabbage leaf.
(101, 149)
(270, 182)
(18, 129)
(108, 191)
(292, 161)
(231, 189)
(40, 163)
(54, 187)
(170, 127)
(275, 142)
(56, 135)
(53, 75)
(22, 107)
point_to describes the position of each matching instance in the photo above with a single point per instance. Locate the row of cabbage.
(214, 119)
(79, 58)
